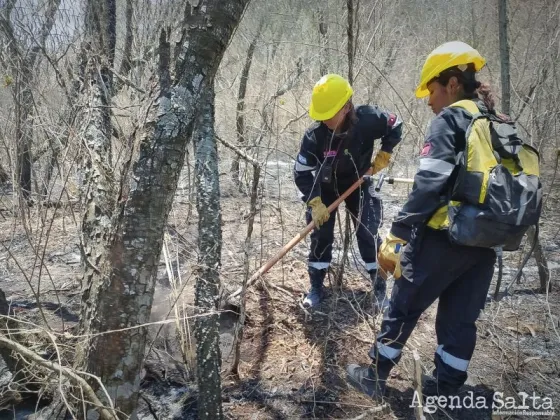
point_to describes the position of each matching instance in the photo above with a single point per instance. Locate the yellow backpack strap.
(468, 105)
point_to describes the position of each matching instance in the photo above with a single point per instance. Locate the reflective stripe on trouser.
(366, 216)
(460, 277)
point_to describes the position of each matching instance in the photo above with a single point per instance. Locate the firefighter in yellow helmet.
(335, 151)
(425, 263)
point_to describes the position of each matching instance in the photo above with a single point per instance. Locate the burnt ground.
(292, 361)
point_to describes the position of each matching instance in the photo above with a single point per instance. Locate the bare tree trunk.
(350, 43)
(504, 56)
(240, 111)
(24, 135)
(474, 18)
(323, 38)
(4, 177)
(540, 259)
(246, 260)
(125, 238)
(209, 247)
(347, 224)
(101, 196)
(542, 265)
(126, 63)
(22, 63)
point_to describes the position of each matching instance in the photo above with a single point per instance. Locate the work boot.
(379, 295)
(368, 379)
(431, 387)
(317, 292)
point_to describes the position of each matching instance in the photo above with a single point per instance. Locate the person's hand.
(389, 255)
(380, 162)
(319, 212)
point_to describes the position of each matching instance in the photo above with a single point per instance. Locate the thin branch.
(89, 392)
(127, 81)
(241, 154)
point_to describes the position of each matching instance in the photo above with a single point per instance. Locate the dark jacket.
(348, 155)
(446, 138)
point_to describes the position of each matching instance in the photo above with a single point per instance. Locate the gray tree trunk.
(323, 38)
(347, 224)
(101, 195)
(24, 136)
(542, 265)
(125, 238)
(126, 63)
(540, 259)
(208, 354)
(240, 111)
(504, 56)
(350, 41)
(22, 64)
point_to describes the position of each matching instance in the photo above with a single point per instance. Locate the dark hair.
(350, 119)
(352, 116)
(472, 88)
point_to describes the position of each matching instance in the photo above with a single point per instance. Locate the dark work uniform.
(343, 158)
(433, 267)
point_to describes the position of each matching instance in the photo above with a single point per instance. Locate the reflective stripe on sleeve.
(436, 165)
(302, 168)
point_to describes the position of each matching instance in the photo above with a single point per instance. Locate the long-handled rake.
(303, 233)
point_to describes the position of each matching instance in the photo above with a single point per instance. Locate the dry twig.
(106, 413)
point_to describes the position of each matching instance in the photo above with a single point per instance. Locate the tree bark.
(126, 63)
(347, 224)
(100, 198)
(118, 293)
(504, 56)
(544, 274)
(24, 136)
(239, 330)
(323, 39)
(208, 354)
(22, 64)
(540, 259)
(350, 41)
(5, 326)
(240, 111)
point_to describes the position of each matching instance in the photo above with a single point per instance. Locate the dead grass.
(293, 361)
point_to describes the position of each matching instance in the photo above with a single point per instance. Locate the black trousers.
(365, 208)
(432, 268)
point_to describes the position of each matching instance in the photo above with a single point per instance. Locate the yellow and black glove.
(389, 255)
(380, 162)
(319, 211)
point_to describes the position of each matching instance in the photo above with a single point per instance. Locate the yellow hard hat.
(450, 54)
(329, 95)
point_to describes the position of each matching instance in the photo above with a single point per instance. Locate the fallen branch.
(107, 414)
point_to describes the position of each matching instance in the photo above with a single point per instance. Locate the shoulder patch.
(426, 149)
(392, 120)
(302, 159)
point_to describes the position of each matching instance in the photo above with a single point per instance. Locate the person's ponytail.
(486, 94)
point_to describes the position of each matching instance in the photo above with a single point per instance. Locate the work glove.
(319, 211)
(389, 255)
(380, 162)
